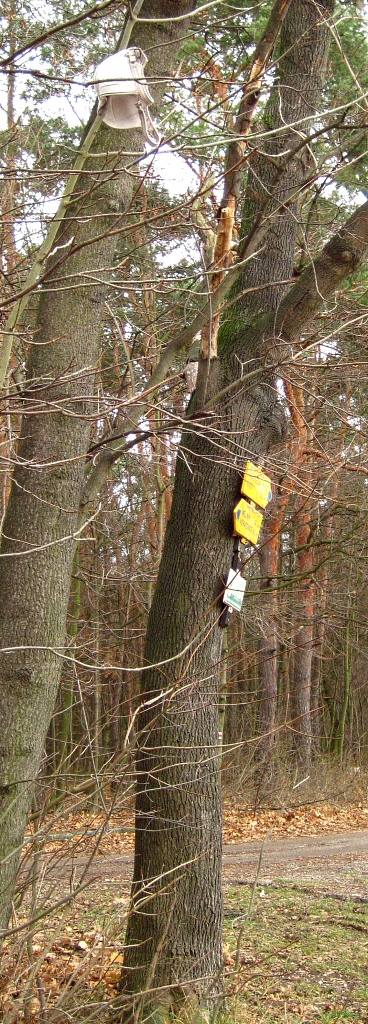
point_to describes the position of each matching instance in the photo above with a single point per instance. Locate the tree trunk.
(319, 631)
(67, 690)
(346, 690)
(115, 715)
(177, 890)
(42, 515)
(268, 653)
(305, 586)
(303, 650)
(174, 929)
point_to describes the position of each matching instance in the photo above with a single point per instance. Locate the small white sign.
(235, 588)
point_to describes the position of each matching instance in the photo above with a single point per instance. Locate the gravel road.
(341, 860)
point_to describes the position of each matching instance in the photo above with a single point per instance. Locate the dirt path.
(340, 860)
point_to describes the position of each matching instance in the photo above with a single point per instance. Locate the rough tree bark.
(174, 929)
(40, 529)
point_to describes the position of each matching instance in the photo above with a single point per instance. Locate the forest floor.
(295, 923)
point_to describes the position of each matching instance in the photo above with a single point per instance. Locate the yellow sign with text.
(256, 485)
(247, 521)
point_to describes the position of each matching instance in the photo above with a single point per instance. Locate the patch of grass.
(300, 956)
(294, 954)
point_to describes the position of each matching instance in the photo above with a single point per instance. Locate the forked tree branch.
(342, 256)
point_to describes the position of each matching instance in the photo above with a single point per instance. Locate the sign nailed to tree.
(256, 488)
(234, 592)
(247, 521)
(256, 485)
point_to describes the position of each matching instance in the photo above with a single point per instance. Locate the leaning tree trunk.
(40, 529)
(174, 929)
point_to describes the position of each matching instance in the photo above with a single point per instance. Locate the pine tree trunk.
(268, 654)
(302, 729)
(303, 641)
(319, 631)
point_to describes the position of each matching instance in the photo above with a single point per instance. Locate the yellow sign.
(247, 521)
(256, 485)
